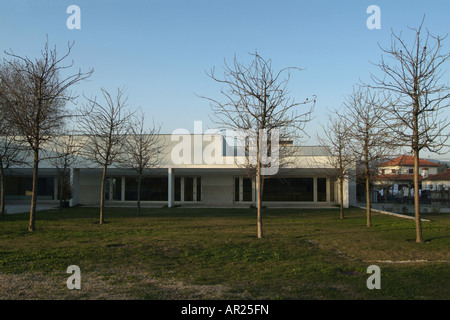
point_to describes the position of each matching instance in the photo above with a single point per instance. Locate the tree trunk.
(259, 198)
(31, 225)
(102, 196)
(139, 195)
(368, 211)
(416, 197)
(341, 193)
(60, 180)
(2, 193)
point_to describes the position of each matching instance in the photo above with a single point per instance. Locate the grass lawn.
(187, 253)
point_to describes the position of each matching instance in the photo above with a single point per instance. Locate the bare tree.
(143, 150)
(413, 77)
(34, 94)
(335, 139)
(370, 137)
(106, 126)
(12, 152)
(257, 103)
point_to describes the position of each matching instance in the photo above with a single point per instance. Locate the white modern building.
(195, 169)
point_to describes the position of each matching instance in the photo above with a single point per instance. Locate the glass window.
(177, 189)
(321, 189)
(18, 188)
(288, 189)
(236, 189)
(152, 188)
(247, 189)
(199, 189)
(188, 189)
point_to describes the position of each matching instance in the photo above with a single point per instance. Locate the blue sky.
(159, 50)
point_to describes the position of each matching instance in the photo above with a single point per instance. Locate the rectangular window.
(177, 189)
(152, 188)
(18, 188)
(236, 189)
(199, 189)
(247, 189)
(244, 189)
(288, 189)
(113, 188)
(188, 189)
(321, 189)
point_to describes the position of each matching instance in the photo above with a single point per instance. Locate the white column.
(328, 190)
(182, 189)
(241, 189)
(122, 189)
(74, 183)
(346, 200)
(315, 189)
(171, 187)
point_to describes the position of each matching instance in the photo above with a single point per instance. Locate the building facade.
(194, 169)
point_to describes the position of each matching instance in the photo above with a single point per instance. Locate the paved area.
(21, 207)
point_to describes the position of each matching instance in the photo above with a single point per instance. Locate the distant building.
(395, 179)
(437, 182)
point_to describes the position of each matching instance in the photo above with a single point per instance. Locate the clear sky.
(159, 50)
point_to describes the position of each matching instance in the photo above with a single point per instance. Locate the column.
(315, 189)
(122, 189)
(74, 183)
(346, 200)
(328, 190)
(171, 187)
(241, 189)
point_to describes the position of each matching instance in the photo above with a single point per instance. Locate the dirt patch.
(130, 285)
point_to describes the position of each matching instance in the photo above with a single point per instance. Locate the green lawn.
(187, 253)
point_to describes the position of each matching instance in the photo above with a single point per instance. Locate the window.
(177, 189)
(243, 189)
(113, 188)
(411, 170)
(236, 189)
(18, 188)
(152, 188)
(288, 189)
(188, 189)
(321, 189)
(199, 189)
(246, 189)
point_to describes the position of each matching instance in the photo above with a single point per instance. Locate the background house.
(438, 186)
(395, 179)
